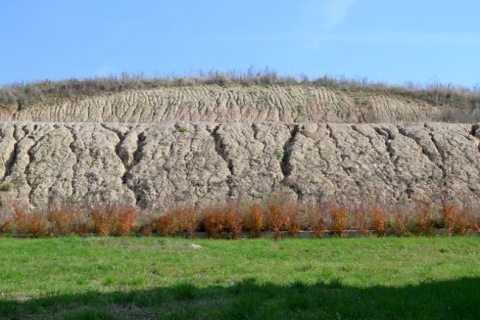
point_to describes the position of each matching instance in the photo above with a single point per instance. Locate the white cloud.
(105, 69)
(317, 19)
(335, 12)
(429, 39)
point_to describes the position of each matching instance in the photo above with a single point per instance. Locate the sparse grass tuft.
(5, 187)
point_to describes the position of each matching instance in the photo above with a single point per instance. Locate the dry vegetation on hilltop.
(466, 102)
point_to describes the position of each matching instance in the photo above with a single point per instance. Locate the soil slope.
(160, 164)
(235, 103)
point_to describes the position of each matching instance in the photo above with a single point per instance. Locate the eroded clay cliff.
(213, 103)
(160, 164)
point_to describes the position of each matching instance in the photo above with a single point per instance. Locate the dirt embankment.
(156, 165)
(213, 103)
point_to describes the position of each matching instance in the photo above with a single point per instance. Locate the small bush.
(379, 224)
(125, 219)
(6, 227)
(103, 218)
(276, 219)
(339, 221)
(461, 224)
(214, 222)
(422, 215)
(292, 220)
(361, 220)
(20, 219)
(188, 220)
(254, 221)
(37, 224)
(146, 231)
(449, 212)
(166, 225)
(317, 220)
(65, 220)
(400, 223)
(29, 223)
(233, 220)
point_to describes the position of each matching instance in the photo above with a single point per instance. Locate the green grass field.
(151, 278)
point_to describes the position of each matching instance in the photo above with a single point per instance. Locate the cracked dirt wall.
(213, 103)
(158, 165)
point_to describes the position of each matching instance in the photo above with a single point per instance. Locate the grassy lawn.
(143, 278)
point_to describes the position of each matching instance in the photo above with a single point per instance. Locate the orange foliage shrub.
(339, 220)
(29, 223)
(400, 225)
(233, 220)
(166, 225)
(65, 220)
(103, 219)
(317, 220)
(37, 224)
(423, 218)
(461, 224)
(214, 222)
(276, 218)
(449, 212)
(254, 221)
(292, 221)
(188, 220)
(6, 226)
(146, 231)
(361, 220)
(125, 217)
(379, 224)
(20, 219)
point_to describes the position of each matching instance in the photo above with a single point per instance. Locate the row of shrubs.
(25, 95)
(235, 219)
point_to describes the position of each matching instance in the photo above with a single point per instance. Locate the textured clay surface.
(159, 164)
(213, 103)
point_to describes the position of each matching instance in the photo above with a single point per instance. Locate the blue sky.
(422, 41)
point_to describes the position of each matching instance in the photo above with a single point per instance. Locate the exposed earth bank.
(159, 164)
(235, 103)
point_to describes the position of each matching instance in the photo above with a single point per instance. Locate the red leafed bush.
(254, 221)
(125, 220)
(339, 220)
(361, 220)
(379, 223)
(214, 222)
(276, 218)
(317, 218)
(166, 225)
(233, 220)
(188, 220)
(292, 219)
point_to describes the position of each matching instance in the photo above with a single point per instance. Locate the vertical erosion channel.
(287, 166)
